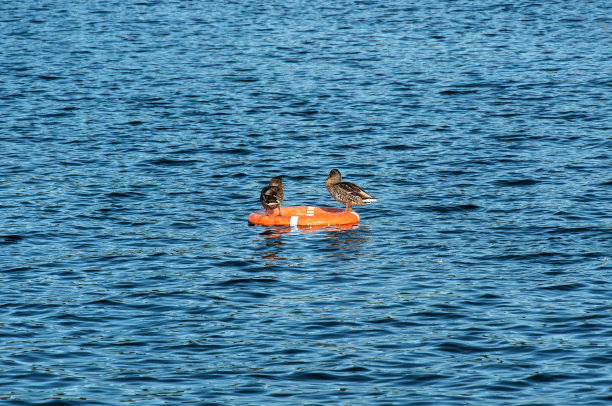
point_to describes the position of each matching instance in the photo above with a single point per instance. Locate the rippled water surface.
(135, 138)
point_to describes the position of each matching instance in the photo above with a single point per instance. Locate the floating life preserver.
(305, 216)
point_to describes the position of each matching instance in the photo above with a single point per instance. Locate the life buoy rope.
(306, 216)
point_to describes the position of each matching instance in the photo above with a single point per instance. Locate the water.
(135, 138)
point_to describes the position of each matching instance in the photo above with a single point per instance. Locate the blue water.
(135, 138)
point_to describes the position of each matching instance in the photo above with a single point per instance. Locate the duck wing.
(270, 195)
(355, 190)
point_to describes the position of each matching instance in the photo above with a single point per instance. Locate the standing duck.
(347, 192)
(272, 195)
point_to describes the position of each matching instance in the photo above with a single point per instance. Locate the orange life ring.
(305, 216)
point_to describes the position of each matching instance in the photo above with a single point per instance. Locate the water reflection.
(283, 245)
(349, 242)
(274, 244)
(279, 231)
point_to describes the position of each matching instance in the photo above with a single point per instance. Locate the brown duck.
(347, 192)
(272, 195)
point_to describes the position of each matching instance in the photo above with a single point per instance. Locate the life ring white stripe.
(310, 211)
(293, 222)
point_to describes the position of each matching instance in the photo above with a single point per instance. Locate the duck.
(347, 192)
(272, 195)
